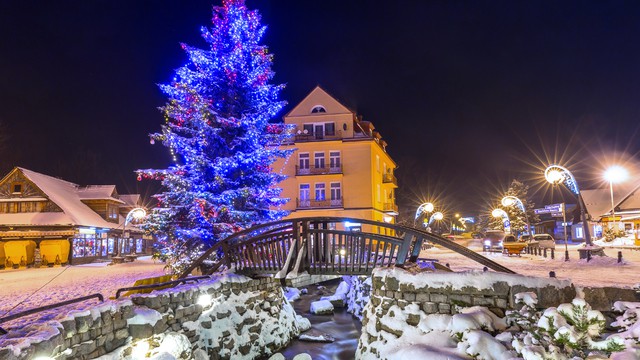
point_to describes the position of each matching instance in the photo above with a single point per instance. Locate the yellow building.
(340, 166)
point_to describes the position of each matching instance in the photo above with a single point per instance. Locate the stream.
(341, 325)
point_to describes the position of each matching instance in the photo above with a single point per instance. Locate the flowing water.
(341, 325)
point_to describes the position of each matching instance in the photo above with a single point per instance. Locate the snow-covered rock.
(321, 307)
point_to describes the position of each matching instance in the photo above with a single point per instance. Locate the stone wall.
(436, 292)
(222, 318)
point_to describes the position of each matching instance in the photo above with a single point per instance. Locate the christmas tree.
(217, 129)
(517, 217)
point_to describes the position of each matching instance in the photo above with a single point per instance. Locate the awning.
(36, 234)
(634, 217)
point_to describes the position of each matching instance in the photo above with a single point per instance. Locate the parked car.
(545, 241)
(493, 240)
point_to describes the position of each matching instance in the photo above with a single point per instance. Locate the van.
(493, 240)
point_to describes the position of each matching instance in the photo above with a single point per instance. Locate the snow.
(143, 316)
(29, 288)
(480, 279)
(600, 271)
(292, 294)
(321, 306)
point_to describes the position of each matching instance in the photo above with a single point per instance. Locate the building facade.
(37, 209)
(340, 165)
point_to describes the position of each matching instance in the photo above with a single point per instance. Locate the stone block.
(483, 301)
(137, 331)
(438, 298)
(422, 297)
(160, 327)
(444, 308)
(124, 333)
(501, 303)
(87, 347)
(391, 284)
(409, 296)
(83, 323)
(430, 307)
(460, 299)
(69, 327)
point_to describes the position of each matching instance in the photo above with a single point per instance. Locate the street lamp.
(615, 174)
(505, 219)
(135, 214)
(423, 209)
(436, 216)
(556, 174)
(512, 200)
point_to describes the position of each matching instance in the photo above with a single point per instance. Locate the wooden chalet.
(35, 207)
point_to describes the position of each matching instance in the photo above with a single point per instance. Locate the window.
(378, 193)
(320, 192)
(303, 160)
(336, 191)
(113, 212)
(330, 129)
(304, 201)
(384, 199)
(384, 168)
(579, 234)
(378, 163)
(334, 159)
(318, 109)
(304, 191)
(318, 160)
(307, 129)
(17, 188)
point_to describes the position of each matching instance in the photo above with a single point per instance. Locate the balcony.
(390, 208)
(301, 137)
(389, 178)
(312, 170)
(318, 204)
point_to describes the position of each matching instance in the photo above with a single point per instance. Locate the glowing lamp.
(438, 216)
(616, 174)
(204, 300)
(554, 176)
(498, 213)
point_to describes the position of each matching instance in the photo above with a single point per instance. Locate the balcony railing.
(389, 178)
(390, 208)
(318, 136)
(312, 170)
(314, 203)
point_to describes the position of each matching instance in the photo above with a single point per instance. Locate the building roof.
(68, 196)
(598, 201)
(319, 96)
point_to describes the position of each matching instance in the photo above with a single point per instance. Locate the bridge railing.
(327, 248)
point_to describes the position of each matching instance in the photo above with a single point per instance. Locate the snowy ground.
(24, 289)
(598, 272)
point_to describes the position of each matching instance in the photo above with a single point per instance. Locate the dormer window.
(16, 188)
(318, 109)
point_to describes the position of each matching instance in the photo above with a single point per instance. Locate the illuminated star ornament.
(218, 132)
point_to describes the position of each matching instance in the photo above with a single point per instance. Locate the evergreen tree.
(217, 129)
(516, 215)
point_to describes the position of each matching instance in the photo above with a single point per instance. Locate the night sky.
(468, 94)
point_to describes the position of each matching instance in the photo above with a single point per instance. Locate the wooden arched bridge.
(317, 246)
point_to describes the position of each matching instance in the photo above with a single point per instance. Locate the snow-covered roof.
(67, 196)
(98, 192)
(598, 201)
(130, 199)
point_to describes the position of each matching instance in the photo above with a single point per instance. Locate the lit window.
(318, 159)
(320, 191)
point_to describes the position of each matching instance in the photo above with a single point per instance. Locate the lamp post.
(512, 200)
(505, 219)
(615, 174)
(423, 209)
(135, 214)
(556, 174)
